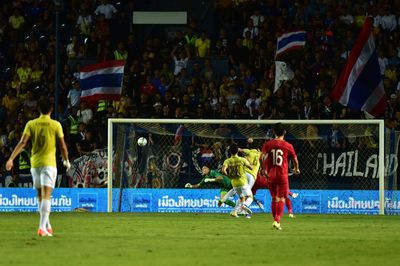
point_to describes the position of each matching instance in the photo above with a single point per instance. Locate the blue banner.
(196, 200)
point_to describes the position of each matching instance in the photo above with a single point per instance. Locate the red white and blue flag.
(360, 85)
(290, 41)
(102, 81)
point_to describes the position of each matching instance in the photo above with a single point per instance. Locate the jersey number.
(277, 157)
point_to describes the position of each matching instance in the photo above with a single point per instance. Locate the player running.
(43, 133)
(275, 155)
(213, 176)
(234, 168)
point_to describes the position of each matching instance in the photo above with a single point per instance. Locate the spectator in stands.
(11, 103)
(24, 72)
(203, 46)
(252, 29)
(121, 53)
(85, 22)
(106, 9)
(84, 113)
(16, 22)
(180, 60)
(74, 95)
(253, 104)
(73, 47)
(102, 28)
(191, 38)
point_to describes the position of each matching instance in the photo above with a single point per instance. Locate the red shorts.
(280, 190)
(261, 182)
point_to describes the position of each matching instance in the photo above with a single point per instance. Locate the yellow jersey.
(202, 47)
(43, 132)
(253, 156)
(236, 167)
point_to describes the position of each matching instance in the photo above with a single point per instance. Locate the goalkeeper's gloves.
(188, 185)
(209, 180)
(67, 164)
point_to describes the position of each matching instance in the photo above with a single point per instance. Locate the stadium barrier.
(195, 200)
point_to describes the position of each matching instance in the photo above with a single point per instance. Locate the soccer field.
(199, 239)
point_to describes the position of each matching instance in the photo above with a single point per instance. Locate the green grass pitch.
(199, 239)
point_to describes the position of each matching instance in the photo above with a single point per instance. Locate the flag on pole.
(102, 81)
(290, 41)
(282, 72)
(360, 85)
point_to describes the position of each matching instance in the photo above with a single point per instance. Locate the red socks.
(277, 210)
(289, 205)
(273, 208)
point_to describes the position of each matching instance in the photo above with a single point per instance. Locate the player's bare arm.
(20, 146)
(224, 168)
(64, 153)
(296, 166)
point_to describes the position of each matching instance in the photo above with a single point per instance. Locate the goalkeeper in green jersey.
(213, 176)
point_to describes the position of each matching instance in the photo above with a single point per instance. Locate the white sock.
(44, 213)
(228, 195)
(248, 201)
(238, 205)
(48, 222)
(48, 225)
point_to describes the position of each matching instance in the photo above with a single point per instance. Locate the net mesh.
(331, 156)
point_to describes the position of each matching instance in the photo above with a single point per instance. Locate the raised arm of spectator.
(188, 55)
(173, 52)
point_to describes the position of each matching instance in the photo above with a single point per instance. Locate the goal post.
(247, 128)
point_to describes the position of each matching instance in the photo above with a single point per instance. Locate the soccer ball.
(142, 141)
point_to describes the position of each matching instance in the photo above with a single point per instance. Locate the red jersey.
(276, 154)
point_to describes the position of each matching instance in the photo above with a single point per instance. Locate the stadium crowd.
(158, 82)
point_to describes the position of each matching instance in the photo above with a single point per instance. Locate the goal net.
(334, 155)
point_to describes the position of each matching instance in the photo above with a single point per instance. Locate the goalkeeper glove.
(67, 164)
(209, 180)
(188, 185)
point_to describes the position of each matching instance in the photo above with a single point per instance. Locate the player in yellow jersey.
(252, 154)
(234, 168)
(43, 133)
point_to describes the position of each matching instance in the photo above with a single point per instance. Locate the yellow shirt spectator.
(11, 103)
(390, 73)
(16, 21)
(24, 74)
(203, 47)
(36, 76)
(121, 105)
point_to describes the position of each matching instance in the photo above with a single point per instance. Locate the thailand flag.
(360, 85)
(290, 41)
(102, 81)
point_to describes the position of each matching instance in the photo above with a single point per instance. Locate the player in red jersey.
(275, 155)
